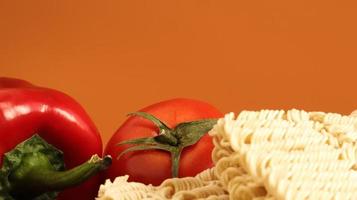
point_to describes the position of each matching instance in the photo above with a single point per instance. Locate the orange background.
(117, 56)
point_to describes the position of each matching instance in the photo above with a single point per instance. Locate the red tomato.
(154, 166)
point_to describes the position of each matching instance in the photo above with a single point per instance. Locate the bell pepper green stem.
(36, 175)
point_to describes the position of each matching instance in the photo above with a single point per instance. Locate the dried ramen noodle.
(266, 155)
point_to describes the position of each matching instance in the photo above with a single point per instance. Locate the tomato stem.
(167, 138)
(175, 159)
(171, 140)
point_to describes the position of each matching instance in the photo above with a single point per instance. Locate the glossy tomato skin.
(154, 166)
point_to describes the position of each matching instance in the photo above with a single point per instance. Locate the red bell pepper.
(26, 110)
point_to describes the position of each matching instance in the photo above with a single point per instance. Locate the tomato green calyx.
(172, 140)
(166, 135)
(35, 170)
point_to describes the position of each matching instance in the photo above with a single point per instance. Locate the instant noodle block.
(266, 155)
